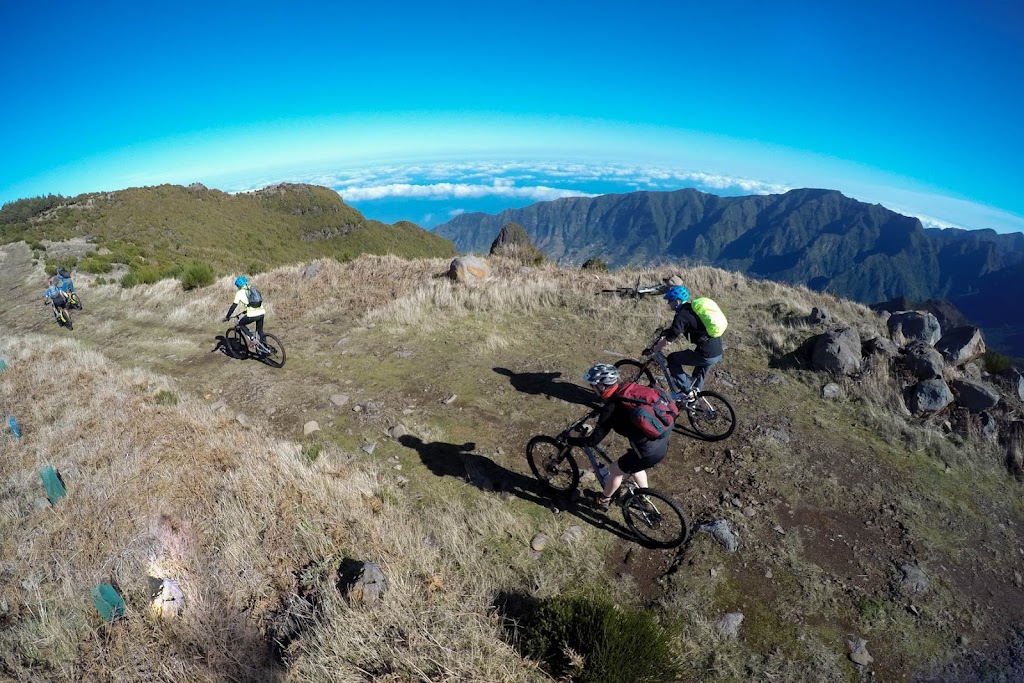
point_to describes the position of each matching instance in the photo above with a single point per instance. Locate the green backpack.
(711, 315)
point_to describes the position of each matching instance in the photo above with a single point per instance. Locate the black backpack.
(254, 296)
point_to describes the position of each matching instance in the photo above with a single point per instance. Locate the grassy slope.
(158, 229)
(834, 496)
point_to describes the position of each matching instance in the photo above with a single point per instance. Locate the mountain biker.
(706, 352)
(55, 296)
(253, 314)
(65, 282)
(614, 415)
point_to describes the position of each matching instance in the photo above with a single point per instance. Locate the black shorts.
(643, 455)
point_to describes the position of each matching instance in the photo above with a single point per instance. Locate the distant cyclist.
(65, 280)
(707, 349)
(615, 415)
(249, 297)
(55, 296)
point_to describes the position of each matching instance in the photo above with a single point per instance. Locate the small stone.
(831, 390)
(243, 420)
(407, 411)
(539, 542)
(573, 534)
(217, 405)
(398, 431)
(749, 511)
(450, 399)
(398, 467)
(768, 573)
(368, 448)
(859, 652)
(310, 427)
(339, 399)
(729, 624)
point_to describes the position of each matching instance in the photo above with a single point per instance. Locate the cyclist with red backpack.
(643, 415)
(249, 297)
(702, 323)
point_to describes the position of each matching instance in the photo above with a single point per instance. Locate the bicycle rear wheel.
(712, 416)
(656, 518)
(553, 464)
(632, 370)
(276, 357)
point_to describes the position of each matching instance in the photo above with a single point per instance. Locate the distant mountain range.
(813, 237)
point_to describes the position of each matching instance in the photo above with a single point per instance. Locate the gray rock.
(859, 652)
(339, 399)
(311, 271)
(450, 399)
(961, 344)
(243, 419)
(364, 584)
(723, 533)
(775, 380)
(368, 448)
(881, 346)
(837, 351)
(310, 427)
(398, 431)
(572, 535)
(914, 325)
(913, 581)
(729, 624)
(974, 396)
(469, 269)
(972, 371)
(539, 542)
(927, 397)
(922, 361)
(819, 316)
(831, 390)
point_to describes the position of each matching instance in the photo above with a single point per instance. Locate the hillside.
(183, 463)
(154, 232)
(816, 238)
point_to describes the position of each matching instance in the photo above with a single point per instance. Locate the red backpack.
(651, 409)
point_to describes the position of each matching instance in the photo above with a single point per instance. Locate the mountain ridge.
(818, 238)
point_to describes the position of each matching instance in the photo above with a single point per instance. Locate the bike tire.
(632, 370)
(277, 356)
(236, 344)
(712, 416)
(656, 518)
(553, 463)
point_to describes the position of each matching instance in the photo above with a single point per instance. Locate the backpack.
(254, 297)
(64, 274)
(711, 315)
(651, 409)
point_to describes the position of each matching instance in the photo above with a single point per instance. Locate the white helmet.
(603, 374)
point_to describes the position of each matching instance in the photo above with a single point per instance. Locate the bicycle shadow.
(460, 462)
(546, 384)
(232, 348)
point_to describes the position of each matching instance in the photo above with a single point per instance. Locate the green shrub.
(36, 246)
(196, 275)
(95, 264)
(311, 451)
(595, 264)
(590, 639)
(148, 274)
(997, 362)
(166, 398)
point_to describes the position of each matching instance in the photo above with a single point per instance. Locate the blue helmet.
(241, 281)
(678, 293)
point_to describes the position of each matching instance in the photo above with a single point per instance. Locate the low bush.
(196, 275)
(590, 639)
(595, 264)
(997, 362)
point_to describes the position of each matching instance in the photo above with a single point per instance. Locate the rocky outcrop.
(928, 397)
(914, 325)
(837, 351)
(469, 269)
(961, 345)
(974, 396)
(922, 361)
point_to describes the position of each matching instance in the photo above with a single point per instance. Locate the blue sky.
(912, 105)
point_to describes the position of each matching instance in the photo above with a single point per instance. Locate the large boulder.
(974, 396)
(927, 397)
(514, 242)
(1013, 382)
(922, 361)
(837, 351)
(961, 345)
(914, 325)
(469, 269)
(880, 345)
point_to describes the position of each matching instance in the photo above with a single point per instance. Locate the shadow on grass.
(548, 384)
(459, 461)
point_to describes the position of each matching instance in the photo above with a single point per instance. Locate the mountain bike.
(637, 291)
(62, 317)
(655, 517)
(270, 350)
(710, 414)
(74, 301)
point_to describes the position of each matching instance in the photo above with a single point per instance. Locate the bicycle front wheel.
(553, 464)
(276, 356)
(631, 370)
(712, 416)
(656, 519)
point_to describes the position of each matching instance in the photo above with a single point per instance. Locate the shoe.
(603, 502)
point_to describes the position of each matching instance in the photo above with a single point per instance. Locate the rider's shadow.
(548, 384)
(232, 348)
(459, 461)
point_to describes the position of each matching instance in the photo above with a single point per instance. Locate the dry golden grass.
(241, 518)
